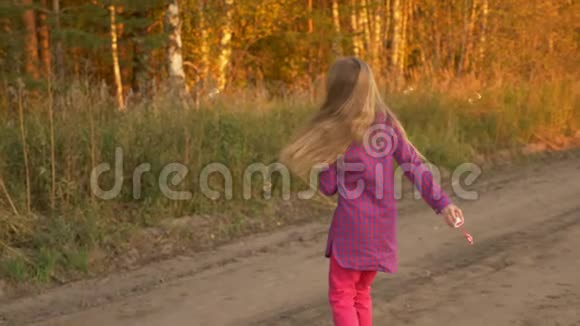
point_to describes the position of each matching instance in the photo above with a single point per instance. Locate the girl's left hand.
(453, 216)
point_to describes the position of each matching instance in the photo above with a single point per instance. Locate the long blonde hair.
(351, 106)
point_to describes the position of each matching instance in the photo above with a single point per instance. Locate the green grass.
(15, 269)
(57, 242)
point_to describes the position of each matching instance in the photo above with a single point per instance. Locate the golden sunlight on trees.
(31, 42)
(174, 56)
(115, 55)
(285, 44)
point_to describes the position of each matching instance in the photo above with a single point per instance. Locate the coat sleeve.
(327, 180)
(418, 173)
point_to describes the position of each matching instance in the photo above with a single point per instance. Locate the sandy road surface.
(523, 270)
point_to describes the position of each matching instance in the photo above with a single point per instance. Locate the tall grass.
(50, 220)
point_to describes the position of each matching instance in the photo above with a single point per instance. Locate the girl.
(358, 138)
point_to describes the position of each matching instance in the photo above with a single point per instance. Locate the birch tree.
(174, 45)
(354, 24)
(123, 49)
(276, 39)
(115, 55)
(204, 46)
(364, 25)
(337, 43)
(226, 46)
(401, 15)
(397, 42)
(378, 36)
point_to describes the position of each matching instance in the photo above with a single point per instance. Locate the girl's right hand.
(453, 216)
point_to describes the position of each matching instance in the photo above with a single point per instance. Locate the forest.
(229, 81)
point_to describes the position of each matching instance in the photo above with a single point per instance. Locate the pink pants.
(349, 295)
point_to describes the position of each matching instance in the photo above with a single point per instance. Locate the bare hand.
(453, 216)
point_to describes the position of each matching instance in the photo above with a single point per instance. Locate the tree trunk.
(470, 39)
(378, 37)
(58, 51)
(226, 47)
(364, 24)
(449, 46)
(404, 32)
(204, 46)
(354, 23)
(174, 56)
(436, 35)
(123, 50)
(115, 55)
(387, 24)
(337, 43)
(31, 41)
(467, 41)
(43, 35)
(483, 35)
(401, 10)
(311, 50)
(310, 23)
(140, 66)
(140, 61)
(398, 26)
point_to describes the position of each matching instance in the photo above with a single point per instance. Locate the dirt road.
(523, 270)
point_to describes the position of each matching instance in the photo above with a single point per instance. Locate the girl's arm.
(414, 169)
(327, 180)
